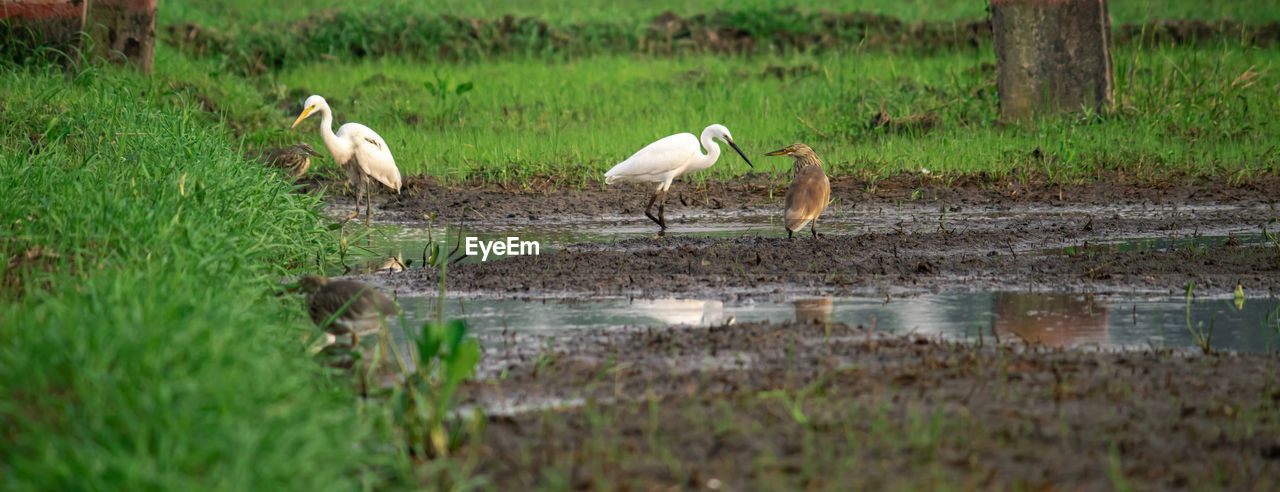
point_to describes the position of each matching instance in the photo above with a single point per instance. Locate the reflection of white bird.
(664, 160)
(681, 311)
(357, 149)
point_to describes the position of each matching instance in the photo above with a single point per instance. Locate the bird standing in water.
(294, 159)
(809, 192)
(346, 306)
(359, 150)
(666, 159)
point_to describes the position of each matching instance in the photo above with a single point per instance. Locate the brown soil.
(907, 234)
(550, 199)
(786, 406)
(781, 406)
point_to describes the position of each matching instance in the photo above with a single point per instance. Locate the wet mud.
(818, 404)
(547, 200)
(814, 405)
(899, 236)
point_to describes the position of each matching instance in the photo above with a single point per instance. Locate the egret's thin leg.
(356, 213)
(368, 206)
(650, 206)
(788, 233)
(813, 227)
(662, 210)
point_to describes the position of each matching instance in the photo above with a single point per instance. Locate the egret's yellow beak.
(782, 151)
(305, 113)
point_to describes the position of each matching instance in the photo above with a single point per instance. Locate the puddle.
(408, 239)
(1068, 320)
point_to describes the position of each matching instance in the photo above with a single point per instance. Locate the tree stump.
(26, 25)
(124, 31)
(1052, 55)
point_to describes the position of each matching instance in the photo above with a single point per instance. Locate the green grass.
(1182, 110)
(144, 349)
(568, 113)
(231, 12)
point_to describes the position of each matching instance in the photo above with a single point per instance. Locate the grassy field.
(240, 12)
(1198, 109)
(1181, 111)
(143, 348)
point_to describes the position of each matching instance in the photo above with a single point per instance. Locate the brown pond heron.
(809, 192)
(294, 159)
(346, 306)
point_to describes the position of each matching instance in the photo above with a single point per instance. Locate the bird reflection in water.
(1050, 319)
(813, 311)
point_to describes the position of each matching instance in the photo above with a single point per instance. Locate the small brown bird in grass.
(346, 306)
(294, 159)
(809, 192)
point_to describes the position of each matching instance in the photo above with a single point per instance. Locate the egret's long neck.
(340, 150)
(713, 153)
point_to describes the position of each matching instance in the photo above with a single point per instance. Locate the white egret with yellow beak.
(359, 150)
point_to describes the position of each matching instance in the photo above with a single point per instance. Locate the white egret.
(662, 161)
(809, 192)
(359, 150)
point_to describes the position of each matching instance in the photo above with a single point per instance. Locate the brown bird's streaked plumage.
(294, 159)
(355, 308)
(810, 191)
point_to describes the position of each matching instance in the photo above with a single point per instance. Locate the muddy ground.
(817, 405)
(551, 201)
(785, 406)
(910, 234)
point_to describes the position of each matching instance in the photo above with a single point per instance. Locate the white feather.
(358, 149)
(372, 154)
(670, 157)
(657, 160)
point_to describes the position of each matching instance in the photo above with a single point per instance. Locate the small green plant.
(448, 95)
(446, 357)
(1199, 335)
(1274, 238)
(1275, 319)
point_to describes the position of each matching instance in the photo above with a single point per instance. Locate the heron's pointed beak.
(313, 151)
(305, 113)
(744, 156)
(782, 151)
(290, 288)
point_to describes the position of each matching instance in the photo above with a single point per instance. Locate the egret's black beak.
(744, 156)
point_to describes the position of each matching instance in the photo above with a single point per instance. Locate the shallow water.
(409, 239)
(1068, 320)
(1111, 321)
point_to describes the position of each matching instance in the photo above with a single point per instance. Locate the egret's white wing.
(653, 162)
(372, 154)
